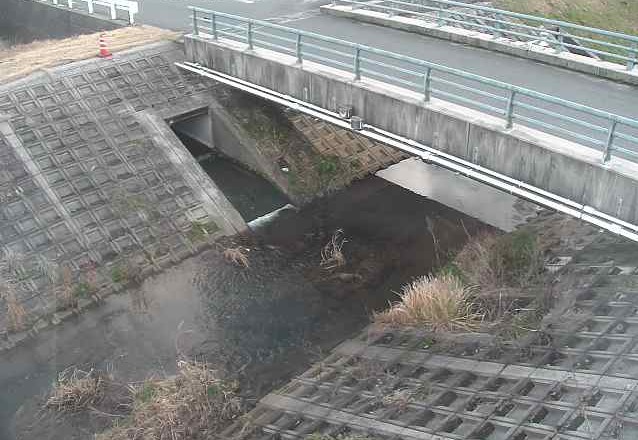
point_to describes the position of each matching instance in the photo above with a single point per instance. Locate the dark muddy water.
(260, 325)
(250, 194)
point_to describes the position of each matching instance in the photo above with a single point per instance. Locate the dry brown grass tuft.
(237, 256)
(192, 405)
(16, 314)
(475, 261)
(440, 303)
(332, 255)
(493, 262)
(66, 299)
(75, 390)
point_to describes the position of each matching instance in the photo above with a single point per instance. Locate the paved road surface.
(304, 14)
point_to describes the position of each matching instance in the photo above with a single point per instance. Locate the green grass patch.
(119, 275)
(201, 230)
(82, 290)
(518, 258)
(146, 393)
(451, 269)
(328, 166)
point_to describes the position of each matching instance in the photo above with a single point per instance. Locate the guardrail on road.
(610, 133)
(583, 40)
(111, 6)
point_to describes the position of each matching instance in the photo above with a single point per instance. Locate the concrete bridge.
(567, 156)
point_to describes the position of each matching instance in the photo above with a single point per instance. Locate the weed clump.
(332, 254)
(237, 256)
(440, 303)
(192, 405)
(200, 231)
(16, 313)
(75, 390)
(512, 260)
(119, 275)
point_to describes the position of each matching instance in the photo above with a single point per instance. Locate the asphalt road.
(304, 14)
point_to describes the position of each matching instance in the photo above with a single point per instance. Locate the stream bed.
(261, 324)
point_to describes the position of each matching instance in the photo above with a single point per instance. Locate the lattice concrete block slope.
(577, 379)
(88, 181)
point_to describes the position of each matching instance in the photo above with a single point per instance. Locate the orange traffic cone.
(104, 51)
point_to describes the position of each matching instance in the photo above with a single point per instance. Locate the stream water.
(262, 324)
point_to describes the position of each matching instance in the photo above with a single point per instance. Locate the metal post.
(113, 11)
(357, 64)
(610, 141)
(249, 35)
(213, 24)
(560, 42)
(509, 113)
(195, 24)
(633, 55)
(498, 26)
(70, 4)
(298, 49)
(89, 4)
(439, 17)
(427, 84)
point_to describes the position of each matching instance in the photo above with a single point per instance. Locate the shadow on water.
(261, 324)
(252, 195)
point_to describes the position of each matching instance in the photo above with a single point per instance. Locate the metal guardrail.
(610, 133)
(599, 43)
(112, 6)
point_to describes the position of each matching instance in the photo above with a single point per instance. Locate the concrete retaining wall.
(549, 163)
(23, 21)
(565, 59)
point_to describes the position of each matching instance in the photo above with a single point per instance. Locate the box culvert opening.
(251, 194)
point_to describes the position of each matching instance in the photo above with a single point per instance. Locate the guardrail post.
(427, 83)
(249, 35)
(560, 42)
(70, 4)
(298, 49)
(213, 25)
(195, 24)
(439, 17)
(357, 64)
(497, 25)
(609, 146)
(634, 54)
(113, 11)
(509, 113)
(89, 4)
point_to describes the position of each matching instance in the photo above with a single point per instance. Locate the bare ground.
(21, 60)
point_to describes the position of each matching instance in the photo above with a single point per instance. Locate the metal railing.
(562, 36)
(610, 133)
(111, 7)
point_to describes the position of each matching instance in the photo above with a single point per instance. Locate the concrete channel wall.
(25, 21)
(560, 167)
